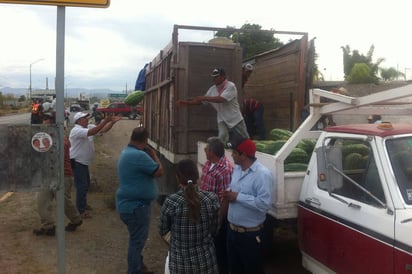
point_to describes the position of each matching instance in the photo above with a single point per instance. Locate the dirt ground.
(100, 244)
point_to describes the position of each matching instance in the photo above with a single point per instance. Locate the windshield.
(400, 155)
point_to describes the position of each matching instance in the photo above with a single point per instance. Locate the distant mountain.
(70, 92)
(16, 91)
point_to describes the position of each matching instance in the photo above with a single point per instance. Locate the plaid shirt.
(191, 244)
(218, 177)
(250, 105)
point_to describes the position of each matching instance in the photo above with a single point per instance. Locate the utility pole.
(31, 64)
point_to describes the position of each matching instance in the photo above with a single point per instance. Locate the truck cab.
(355, 205)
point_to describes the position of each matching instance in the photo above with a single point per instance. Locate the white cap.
(79, 115)
(248, 67)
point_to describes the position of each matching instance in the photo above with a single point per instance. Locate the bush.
(361, 73)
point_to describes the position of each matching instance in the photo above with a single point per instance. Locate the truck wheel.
(131, 116)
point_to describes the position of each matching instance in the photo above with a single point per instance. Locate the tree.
(252, 39)
(389, 74)
(350, 60)
(317, 74)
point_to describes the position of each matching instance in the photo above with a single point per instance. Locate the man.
(249, 196)
(82, 151)
(216, 176)
(252, 111)
(222, 96)
(137, 167)
(374, 119)
(45, 198)
(247, 70)
(36, 108)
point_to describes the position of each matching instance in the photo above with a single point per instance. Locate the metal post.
(59, 85)
(30, 83)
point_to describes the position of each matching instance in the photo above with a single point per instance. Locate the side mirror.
(329, 159)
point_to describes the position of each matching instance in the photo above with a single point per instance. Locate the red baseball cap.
(247, 147)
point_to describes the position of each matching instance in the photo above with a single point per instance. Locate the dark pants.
(221, 250)
(82, 182)
(36, 119)
(254, 121)
(244, 252)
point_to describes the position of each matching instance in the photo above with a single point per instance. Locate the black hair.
(216, 146)
(139, 134)
(188, 175)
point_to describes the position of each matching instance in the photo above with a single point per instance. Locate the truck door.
(400, 156)
(345, 225)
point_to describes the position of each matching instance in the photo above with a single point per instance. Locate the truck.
(120, 108)
(345, 222)
(353, 204)
(182, 70)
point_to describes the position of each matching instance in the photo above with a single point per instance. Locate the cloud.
(106, 48)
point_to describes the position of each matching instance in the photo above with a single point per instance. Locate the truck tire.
(131, 116)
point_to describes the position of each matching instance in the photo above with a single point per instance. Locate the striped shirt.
(216, 178)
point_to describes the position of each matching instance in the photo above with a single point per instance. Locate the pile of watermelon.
(134, 98)
(298, 159)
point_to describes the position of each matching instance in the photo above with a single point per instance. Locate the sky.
(107, 47)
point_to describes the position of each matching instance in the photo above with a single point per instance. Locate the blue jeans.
(244, 251)
(138, 224)
(255, 121)
(81, 181)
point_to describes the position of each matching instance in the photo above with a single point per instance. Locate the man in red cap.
(249, 196)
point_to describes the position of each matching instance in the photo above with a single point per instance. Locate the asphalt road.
(21, 118)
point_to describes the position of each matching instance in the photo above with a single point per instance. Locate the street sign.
(73, 3)
(117, 95)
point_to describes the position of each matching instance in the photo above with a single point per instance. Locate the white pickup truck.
(353, 204)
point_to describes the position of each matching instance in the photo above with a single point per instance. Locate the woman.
(191, 215)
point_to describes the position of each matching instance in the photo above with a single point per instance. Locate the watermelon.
(296, 167)
(307, 145)
(280, 134)
(259, 146)
(269, 146)
(355, 148)
(353, 161)
(134, 98)
(297, 155)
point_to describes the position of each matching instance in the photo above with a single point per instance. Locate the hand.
(149, 150)
(180, 103)
(228, 195)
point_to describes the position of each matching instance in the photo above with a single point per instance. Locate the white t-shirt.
(81, 145)
(229, 111)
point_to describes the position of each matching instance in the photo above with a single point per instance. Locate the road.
(21, 118)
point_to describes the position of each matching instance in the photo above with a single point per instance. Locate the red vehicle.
(116, 108)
